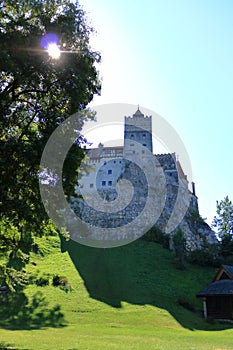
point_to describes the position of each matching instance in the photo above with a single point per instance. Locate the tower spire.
(138, 112)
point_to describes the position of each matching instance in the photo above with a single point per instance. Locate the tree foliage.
(179, 243)
(223, 221)
(37, 93)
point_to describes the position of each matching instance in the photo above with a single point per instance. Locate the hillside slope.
(121, 298)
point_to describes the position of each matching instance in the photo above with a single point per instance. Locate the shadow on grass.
(17, 312)
(5, 346)
(139, 273)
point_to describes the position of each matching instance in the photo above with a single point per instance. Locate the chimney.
(193, 188)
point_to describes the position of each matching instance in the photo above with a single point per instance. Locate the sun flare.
(54, 51)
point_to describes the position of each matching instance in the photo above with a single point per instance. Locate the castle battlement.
(137, 117)
(139, 120)
(141, 123)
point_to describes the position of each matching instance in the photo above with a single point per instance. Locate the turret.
(138, 129)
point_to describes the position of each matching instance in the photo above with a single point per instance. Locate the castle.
(106, 166)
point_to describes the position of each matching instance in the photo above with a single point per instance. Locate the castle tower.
(138, 129)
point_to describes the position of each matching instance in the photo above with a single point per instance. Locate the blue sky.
(175, 58)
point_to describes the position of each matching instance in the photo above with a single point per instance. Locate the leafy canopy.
(37, 93)
(223, 221)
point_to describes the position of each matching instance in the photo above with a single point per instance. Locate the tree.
(37, 93)
(179, 243)
(223, 221)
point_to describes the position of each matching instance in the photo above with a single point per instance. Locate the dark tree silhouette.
(37, 93)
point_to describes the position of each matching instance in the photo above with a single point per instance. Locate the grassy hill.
(123, 298)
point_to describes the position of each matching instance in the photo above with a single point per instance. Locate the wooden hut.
(218, 296)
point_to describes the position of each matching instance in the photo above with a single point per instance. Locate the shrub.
(63, 282)
(203, 258)
(60, 281)
(179, 243)
(228, 260)
(156, 235)
(195, 217)
(56, 280)
(67, 288)
(226, 246)
(41, 282)
(35, 248)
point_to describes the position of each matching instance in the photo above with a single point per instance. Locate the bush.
(60, 281)
(56, 280)
(63, 281)
(226, 246)
(203, 258)
(67, 288)
(179, 243)
(35, 248)
(41, 282)
(156, 235)
(228, 260)
(195, 217)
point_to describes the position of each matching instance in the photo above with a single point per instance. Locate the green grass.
(121, 298)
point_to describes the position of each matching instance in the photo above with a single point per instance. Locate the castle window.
(144, 136)
(133, 152)
(132, 136)
(120, 161)
(103, 183)
(109, 183)
(91, 185)
(143, 152)
(144, 144)
(110, 171)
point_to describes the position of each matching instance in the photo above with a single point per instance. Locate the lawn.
(121, 298)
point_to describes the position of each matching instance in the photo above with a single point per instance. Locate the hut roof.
(227, 269)
(221, 287)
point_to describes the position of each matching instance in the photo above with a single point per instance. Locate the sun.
(53, 50)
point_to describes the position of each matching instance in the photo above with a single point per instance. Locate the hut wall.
(220, 307)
